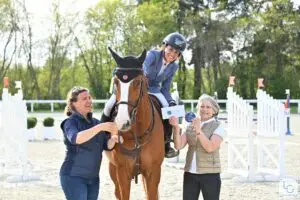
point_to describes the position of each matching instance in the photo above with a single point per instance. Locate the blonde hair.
(211, 100)
(72, 96)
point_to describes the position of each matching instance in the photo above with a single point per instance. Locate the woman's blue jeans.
(77, 188)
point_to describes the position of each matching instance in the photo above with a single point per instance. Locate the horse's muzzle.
(125, 126)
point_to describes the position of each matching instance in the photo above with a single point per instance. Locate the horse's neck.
(144, 111)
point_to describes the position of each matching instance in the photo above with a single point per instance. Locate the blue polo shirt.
(84, 159)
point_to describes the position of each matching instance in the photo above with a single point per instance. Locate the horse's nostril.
(126, 125)
(123, 127)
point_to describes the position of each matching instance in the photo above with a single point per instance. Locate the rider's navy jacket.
(84, 159)
(152, 66)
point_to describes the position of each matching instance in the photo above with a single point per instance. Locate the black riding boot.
(169, 151)
(104, 118)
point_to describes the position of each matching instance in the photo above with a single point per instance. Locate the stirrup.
(169, 141)
(172, 154)
(105, 118)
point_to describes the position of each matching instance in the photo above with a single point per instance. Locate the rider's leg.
(169, 151)
(107, 108)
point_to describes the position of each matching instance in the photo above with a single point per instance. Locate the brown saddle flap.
(156, 104)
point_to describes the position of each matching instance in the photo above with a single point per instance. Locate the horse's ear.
(115, 56)
(142, 57)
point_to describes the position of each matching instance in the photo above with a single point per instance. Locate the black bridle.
(133, 105)
(135, 151)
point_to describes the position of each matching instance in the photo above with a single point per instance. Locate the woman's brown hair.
(72, 96)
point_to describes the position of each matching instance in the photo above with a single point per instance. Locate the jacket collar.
(80, 116)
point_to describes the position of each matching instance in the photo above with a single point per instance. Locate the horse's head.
(130, 85)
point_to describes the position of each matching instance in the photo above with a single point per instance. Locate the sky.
(40, 7)
(41, 14)
(296, 2)
(41, 10)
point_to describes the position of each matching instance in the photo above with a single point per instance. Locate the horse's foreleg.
(113, 176)
(152, 181)
(144, 184)
(124, 182)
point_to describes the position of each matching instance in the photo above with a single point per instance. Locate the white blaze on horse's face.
(122, 118)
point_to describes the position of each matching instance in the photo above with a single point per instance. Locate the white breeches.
(109, 105)
(112, 100)
(161, 99)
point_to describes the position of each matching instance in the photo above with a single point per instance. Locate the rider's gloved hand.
(172, 103)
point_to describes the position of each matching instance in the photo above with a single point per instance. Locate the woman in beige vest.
(203, 136)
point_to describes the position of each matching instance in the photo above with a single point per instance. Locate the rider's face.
(171, 54)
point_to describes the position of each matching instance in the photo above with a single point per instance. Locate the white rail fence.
(189, 102)
(14, 163)
(266, 162)
(271, 132)
(240, 136)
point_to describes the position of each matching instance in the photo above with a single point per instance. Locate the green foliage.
(48, 122)
(158, 20)
(31, 122)
(70, 78)
(247, 39)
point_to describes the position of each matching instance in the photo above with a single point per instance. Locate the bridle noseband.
(133, 112)
(136, 103)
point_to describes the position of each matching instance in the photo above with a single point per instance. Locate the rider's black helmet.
(176, 40)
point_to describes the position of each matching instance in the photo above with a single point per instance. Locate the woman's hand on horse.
(115, 138)
(109, 127)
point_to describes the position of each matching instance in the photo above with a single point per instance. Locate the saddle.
(154, 100)
(156, 104)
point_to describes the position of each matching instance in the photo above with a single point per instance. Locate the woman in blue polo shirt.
(85, 139)
(160, 68)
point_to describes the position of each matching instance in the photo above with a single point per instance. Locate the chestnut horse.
(140, 125)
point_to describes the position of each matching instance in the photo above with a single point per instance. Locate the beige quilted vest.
(205, 162)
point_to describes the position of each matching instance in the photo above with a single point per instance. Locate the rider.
(159, 67)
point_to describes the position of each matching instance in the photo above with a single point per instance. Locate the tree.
(8, 32)
(60, 42)
(27, 49)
